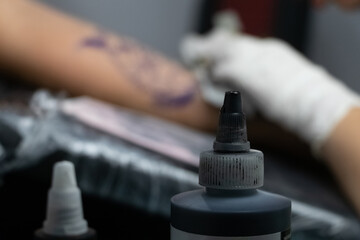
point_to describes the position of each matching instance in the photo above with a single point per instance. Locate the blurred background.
(128, 186)
(327, 35)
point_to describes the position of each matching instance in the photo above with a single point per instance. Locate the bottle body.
(181, 235)
(230, 206)
(230, 214)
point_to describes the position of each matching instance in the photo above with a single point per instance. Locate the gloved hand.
(282, 84)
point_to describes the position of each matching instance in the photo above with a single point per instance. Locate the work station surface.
(127, 182)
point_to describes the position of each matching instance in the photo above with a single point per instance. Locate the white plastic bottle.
(64, 218)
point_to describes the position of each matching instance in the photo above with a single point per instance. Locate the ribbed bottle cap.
(232, 165)
(231, 170)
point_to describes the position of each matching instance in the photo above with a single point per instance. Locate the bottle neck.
(230, 192)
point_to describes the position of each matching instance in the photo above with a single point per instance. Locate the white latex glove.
(202, 55)
(283, 85)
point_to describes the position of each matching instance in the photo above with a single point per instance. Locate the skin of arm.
(342, 153)
(56, 51)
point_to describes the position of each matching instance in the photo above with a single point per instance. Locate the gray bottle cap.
(232, 170)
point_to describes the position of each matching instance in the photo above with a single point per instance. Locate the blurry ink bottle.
(64, 217)
(230, 206)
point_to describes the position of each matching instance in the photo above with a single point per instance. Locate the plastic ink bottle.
(230, 206)
(64, 220)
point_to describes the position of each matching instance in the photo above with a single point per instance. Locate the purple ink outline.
(99, 41)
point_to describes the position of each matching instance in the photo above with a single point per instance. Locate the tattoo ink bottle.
(230, 206)
(64, 220)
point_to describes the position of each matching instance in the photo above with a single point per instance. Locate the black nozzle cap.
(232, 135)
(232, 103)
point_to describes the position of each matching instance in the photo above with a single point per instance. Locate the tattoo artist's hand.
(284, 85)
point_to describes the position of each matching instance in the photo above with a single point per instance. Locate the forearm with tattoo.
(151, 73)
